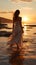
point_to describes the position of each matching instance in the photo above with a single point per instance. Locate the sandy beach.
(27, 54)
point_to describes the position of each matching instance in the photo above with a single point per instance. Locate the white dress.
(16, 34)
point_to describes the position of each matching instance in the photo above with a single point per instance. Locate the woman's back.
(17, 24)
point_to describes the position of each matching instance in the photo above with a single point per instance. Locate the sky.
(26, 7)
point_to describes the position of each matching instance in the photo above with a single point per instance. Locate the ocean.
(28, 52)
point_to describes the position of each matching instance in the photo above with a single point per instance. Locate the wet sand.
(27, 55)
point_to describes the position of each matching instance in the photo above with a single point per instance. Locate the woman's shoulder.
(20, 17)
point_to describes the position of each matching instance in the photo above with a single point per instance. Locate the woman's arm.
(21, 24)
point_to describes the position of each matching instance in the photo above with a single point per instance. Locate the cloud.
(27, 0)
(26, 8)
(15, 0)
(22, 0)
(34, 0)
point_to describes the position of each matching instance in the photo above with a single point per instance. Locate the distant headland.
(5, 20)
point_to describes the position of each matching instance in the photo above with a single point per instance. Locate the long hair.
(16, 14)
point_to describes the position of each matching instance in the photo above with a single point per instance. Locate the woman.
(17, 30)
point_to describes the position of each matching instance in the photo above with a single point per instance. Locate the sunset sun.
(25, 19)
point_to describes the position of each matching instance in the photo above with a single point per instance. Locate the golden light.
(25, 19)
(25, 28)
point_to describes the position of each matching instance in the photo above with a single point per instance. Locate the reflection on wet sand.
(16, 58)
(25, 56)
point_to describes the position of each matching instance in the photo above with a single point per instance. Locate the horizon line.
(6, 12)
